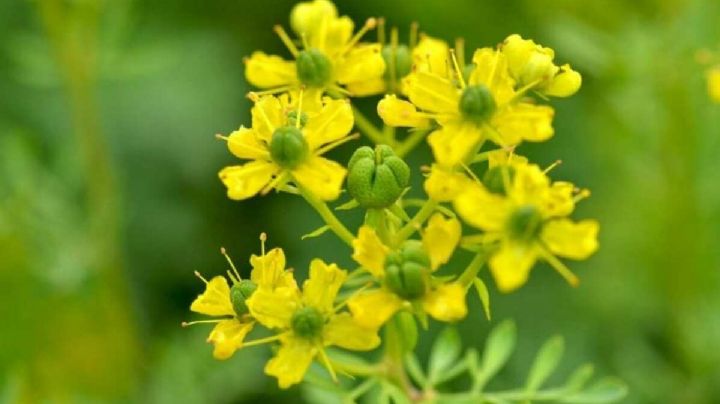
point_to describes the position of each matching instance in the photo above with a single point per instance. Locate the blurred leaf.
(445, 352)
(484, 295)
(415, 369)
(315, 233)
(351, 204)
(580, 377)
(498, 347)
(605, 391)
(545, 362)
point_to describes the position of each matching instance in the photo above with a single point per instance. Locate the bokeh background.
(109, 196)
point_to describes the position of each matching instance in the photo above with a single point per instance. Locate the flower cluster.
(481, 197)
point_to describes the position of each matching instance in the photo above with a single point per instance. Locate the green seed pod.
(407, 270)
(525, 223)
(477, 103)
(239, 293)
(288, 147)
(376, 178)
(494, 180)
(313, 68)
(401, 59)
(307, 322)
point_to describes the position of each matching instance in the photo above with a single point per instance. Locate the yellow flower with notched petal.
(405, 276)
(713, 82)
(532, 65)
(332, 60)
(284, 145)
(487, 107)
(524, 216)
(308, 322)
(229, 302)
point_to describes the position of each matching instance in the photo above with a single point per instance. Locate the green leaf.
(546, 361)
(316, 232)
(414, 369)
(445, 352)
(484, 296)
(498, 347)
(607, 390)
(579, 377)
(392, 394)
(408, 330)
(351, 204)
(399, 212)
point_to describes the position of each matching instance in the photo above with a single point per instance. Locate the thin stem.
(410, 142)
(470, 273)
(368, 128)
(410, 227)
(328, 216)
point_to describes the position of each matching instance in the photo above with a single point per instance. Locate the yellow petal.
(267, 115)
(491, 71)
(266, 71)
(373, 308)
(307, 16)
(501, 157)
(446, 302)
(321, 288)
(291, 361)
(370, 252)
(440, 238)
(523, 121)
(444, 185)
(511, 264)
(395, 112)
(528, 62)
(274, 308)
(482, 209)
(322, 177)
(269, 270)
(334, 121)
(569, 239)
(432, 92)
(311, 99)
(452, 143)
(559, 200)
(215, 300)
(530, 186)
(565, 83)
(344, 331)
(245, 144)
(431, 55)
(332, 36)
(713, 82)
(228, 336)
(363, 62)
(247, 180)
(367, 87)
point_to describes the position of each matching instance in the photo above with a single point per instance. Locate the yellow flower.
(444, 184)
(229, 302)
(713, 81)
(308, 322)
(332, 59)
(487, 107)
(532, 65)
(428, 55)
(405, 275)
(285, 144)
(524, 216)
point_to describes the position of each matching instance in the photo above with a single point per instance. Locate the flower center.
(313, 68)
(307, 322)
(495, 177)
(292, 118)
(239, 293)
(399, 57)
(525, 223)
(477, 103)
(288, 147)
(406, 270)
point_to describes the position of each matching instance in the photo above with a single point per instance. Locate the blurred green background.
(109, 196)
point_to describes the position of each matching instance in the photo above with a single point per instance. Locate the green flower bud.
(313, 68)
(307, 322)
(401, 59)
(477, 103)
(376, 178)
(407, 270)
(288, 147)
(292, 117)
(239, 293)
(525, 223)
(495, 177)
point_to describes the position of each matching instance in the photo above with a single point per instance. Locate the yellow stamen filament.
(275, 183)
(381, 31)
(552, 166)
(393, 55)
(303, 38)
(285, 38)
(213, 321)
(369, 24)
(244, 146)
(558, 266)
(413, 34)
(491, 73)
(232, 277)
(262, 340)
(229, 260)
(200, 276)
(269, 124)
(275, 90)
(458, 72)
(582, 194)
(470, 173)
(460, 50)
(336, 143)
(328, 365)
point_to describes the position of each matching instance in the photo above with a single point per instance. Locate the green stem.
(410, 142)
(470, 273)
(328, 216)
(367, 127)
(410, 227)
